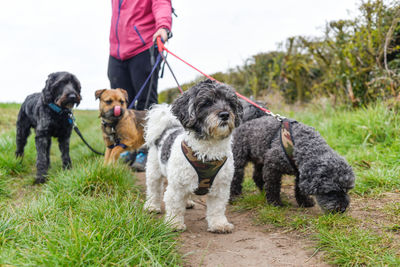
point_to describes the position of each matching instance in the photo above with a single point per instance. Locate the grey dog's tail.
(158, 119)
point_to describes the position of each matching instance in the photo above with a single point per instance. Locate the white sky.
(43, 36)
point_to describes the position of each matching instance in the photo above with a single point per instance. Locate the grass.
(369, 139)
(93, 215)
(89, 215)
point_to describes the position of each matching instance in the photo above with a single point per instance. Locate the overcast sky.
(43, 36)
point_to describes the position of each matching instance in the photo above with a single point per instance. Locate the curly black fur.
(251, 112)
(62, 89)
(321, 171)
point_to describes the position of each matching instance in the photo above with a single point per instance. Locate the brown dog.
(122, 127)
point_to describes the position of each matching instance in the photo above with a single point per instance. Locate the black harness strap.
(114, 135)
(206, 170)
(117, 144)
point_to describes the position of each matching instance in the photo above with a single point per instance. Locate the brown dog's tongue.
(117, 111)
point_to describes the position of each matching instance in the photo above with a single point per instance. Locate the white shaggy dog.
(199, 121)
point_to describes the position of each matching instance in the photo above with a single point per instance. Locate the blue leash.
(145, 83)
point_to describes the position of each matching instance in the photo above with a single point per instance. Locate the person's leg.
(140, 68)
(118, 74)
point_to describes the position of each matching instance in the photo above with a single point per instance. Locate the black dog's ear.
(77, 86)
(321, 176)
(183, 109)
(239, 112)
(76, 82)
(47, 91)
(98, 93)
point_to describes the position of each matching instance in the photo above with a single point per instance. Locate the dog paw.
(179, 227)
(307, 203)
(275, 203)
(223, 228)
(152, 208)
(39, 181)
(190, 204)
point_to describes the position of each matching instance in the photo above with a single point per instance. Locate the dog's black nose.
(72, 96)
(224, 115)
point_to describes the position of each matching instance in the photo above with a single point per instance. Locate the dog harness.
(287, 141)
(117, 141)
(206, 170)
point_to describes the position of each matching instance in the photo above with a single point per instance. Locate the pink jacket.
(134, 23)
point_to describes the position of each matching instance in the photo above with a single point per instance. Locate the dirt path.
(248, 245)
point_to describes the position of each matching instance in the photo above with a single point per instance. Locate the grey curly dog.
(48, 113)
(319, 170)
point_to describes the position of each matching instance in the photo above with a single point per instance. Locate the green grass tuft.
(369, 139)
(91, 177)
(88, 215)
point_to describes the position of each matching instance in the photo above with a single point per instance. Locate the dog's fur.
(195, 117)
(322, 172)
(62, 89)
(128, 127)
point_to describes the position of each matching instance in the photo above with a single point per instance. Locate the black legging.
(131, 74)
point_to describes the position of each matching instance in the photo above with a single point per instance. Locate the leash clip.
(71, 119)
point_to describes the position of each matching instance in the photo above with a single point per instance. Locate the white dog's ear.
(183, 109)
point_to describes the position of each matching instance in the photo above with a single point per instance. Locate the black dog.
(48, 113)
(319, 170)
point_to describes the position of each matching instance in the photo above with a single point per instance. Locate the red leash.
(162, 48)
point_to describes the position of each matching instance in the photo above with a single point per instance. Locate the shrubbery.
(353, 62)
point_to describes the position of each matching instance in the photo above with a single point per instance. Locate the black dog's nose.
(224, 115)
(72, 96)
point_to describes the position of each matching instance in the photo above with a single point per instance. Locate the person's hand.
(162, 33)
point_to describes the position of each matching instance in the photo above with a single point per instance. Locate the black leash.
(173, 74)
(78, 132)
(152, 62)
(86, 143)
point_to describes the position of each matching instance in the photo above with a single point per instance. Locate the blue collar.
(60, 111)
(55, 108)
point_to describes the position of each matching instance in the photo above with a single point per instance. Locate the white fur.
(182, 178)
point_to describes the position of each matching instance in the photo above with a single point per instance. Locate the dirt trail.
(248, 245)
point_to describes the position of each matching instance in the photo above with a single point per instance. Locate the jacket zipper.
(140, 36)
(116, 27)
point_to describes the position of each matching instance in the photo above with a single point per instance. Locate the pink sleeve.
(162, 13)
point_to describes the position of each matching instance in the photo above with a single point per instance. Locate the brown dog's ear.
(125, 94)
(98, 93)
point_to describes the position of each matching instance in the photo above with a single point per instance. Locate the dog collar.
(57, 109)
(206, 170)
(108, 124)
(287, 141)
